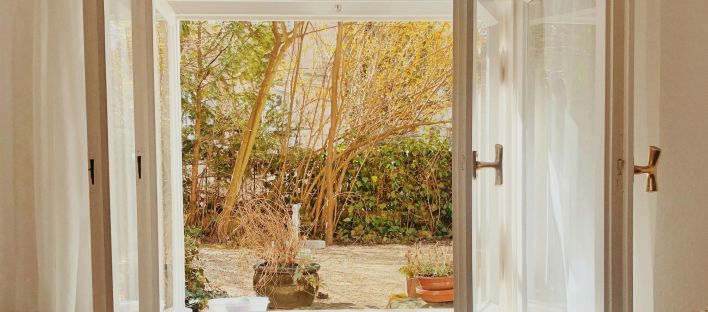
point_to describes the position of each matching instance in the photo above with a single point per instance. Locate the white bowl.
(239, 304)
(258, 304)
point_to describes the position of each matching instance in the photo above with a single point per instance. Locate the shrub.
(400, 191)
(198, 291)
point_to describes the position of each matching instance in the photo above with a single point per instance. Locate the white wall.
(671, 226)
(681, 250)
(646, 126)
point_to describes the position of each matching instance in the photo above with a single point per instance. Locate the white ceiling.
(370, 10)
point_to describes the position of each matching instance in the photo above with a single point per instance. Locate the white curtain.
(44, 212)
(564, 197)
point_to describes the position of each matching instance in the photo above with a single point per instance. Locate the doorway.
(493, 261)
(356, 124)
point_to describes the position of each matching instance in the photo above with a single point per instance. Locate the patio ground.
(354, 277)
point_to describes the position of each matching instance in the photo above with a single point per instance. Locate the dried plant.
(428, 261)
(264, 225)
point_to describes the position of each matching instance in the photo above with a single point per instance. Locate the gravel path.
(354, 277)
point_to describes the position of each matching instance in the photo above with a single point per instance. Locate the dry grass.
(428, 261)
(264, 225)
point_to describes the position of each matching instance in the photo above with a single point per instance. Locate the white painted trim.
(178, 252)
(462, 231)
(97, 139)
(163, 8)
(619, 175)
(178, 212)
(344, 10)
(146, 147)
(378, 310)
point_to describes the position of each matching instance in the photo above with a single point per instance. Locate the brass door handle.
(650, 169)
(496, 165)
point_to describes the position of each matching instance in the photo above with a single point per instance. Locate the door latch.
(496, 165)
(92, 171)
(650, 169)
(140, 167)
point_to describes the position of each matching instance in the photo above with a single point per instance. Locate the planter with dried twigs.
(264, 225)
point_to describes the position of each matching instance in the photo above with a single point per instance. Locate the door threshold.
(398, 310)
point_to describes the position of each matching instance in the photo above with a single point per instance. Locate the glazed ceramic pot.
(279, 286)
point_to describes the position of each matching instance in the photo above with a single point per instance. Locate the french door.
(536, 162)
(168, 117)
(533, 111)
(142, 127)
(123, 283)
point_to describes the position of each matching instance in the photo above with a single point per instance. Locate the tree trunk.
(280, 46)
(288, 124)
(196, 152)
(330, 174)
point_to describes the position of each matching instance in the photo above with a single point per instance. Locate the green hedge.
(398, 192)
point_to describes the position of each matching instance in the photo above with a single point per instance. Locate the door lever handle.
(650, 169)
(496, 165)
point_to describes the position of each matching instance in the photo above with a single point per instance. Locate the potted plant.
(432, 269)
(289, 280)
(409, 270)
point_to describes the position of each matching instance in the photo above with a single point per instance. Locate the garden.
(317, 163)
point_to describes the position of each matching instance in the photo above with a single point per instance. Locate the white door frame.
(147, 153)
(314, 10)
(174, 114)
(618, 101)
(619, 156)
(463, 83)
(97, 125)
(151, 262)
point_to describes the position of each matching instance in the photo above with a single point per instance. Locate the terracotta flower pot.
(411, 284)
(436, 296)
(279, 286)
(436, 283)
(436, 289)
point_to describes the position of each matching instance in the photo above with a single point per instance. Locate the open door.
(116, 158)
(169, 164)
(534, 108)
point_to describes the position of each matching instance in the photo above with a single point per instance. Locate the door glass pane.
(538, 83)
(564, 155)
(164, 172)
(121, 154)
(492, 124)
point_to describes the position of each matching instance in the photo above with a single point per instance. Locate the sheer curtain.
(44, 212)
(564, 191)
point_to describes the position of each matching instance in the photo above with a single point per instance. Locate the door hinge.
(620, 166)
